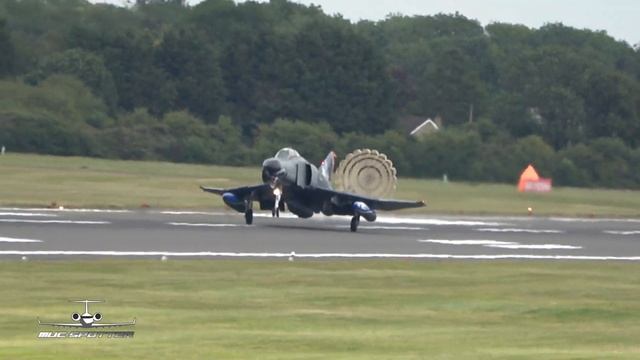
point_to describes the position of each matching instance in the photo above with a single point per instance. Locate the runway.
(91, 233)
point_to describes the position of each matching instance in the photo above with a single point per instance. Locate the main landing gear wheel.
(248, 216)
(275, 212)
(355, 221)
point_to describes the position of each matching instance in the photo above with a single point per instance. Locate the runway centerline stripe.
(204, 224)
(66, 210)
(27, 214)
(193, 213)
(501, 244)
(515, 230)
(564, 219)
(468, 242)
(375, 227)
(316, 255)
(31, 221)
(622, 232)
(18, 240)
(535, 246)
(418, 221)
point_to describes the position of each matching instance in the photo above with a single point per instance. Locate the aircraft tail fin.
(327, 166)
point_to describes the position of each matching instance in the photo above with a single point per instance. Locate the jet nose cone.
(272, 165)
(271, 170)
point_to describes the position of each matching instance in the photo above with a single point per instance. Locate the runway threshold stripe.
(30, 221)
(317, 255)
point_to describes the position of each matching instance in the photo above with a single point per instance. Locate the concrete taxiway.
(82, 233)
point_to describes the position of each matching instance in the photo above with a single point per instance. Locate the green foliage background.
(229, 83)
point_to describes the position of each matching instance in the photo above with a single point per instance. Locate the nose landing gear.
(248, 213)
(355, 221)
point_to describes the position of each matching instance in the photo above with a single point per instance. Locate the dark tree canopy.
(228, 82)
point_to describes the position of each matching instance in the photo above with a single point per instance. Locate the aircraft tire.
(275, 212)
(248, 216)
(355, 221)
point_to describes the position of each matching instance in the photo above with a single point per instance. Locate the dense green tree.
(129, 57)
(341, 78)
(7, 51)
(52, 118)
(193, 66)
(207, 83)
(84, 65)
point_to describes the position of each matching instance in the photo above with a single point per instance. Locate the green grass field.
(275, 309)
(36, 180)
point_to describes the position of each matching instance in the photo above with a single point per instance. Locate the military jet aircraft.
(288, 178)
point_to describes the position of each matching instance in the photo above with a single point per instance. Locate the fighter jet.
(87, 320)
(288, 178)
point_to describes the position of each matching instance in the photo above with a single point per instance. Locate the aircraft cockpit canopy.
(286, 154)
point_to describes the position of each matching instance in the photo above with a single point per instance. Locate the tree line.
(230, 83)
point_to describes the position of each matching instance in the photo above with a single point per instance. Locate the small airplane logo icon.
(87, 320)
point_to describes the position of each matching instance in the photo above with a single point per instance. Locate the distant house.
(426, 127)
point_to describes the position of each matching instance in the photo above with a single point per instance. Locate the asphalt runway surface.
(88, 233)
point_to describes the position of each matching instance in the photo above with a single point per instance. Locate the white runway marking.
(204, 224)
(622, 232)
(67, 210)
(375, 227)
(419, 221)
(513, 230)
(563, 219)
(535, 246)
(193, 213)
(31, 221)
(468, 242)
(17, 240)
(501, 244)
(316, 255)
(26, 214)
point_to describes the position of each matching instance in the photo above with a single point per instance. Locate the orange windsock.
(529, 174)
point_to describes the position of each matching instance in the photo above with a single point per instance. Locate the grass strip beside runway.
(192, 309)
(39, 181)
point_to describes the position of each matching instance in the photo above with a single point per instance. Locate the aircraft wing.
(94, 325)
(240, 192)
(60, 324)
(378, 204)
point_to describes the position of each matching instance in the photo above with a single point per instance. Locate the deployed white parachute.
(366, 172)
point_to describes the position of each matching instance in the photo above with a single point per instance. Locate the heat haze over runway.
(92, 233)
